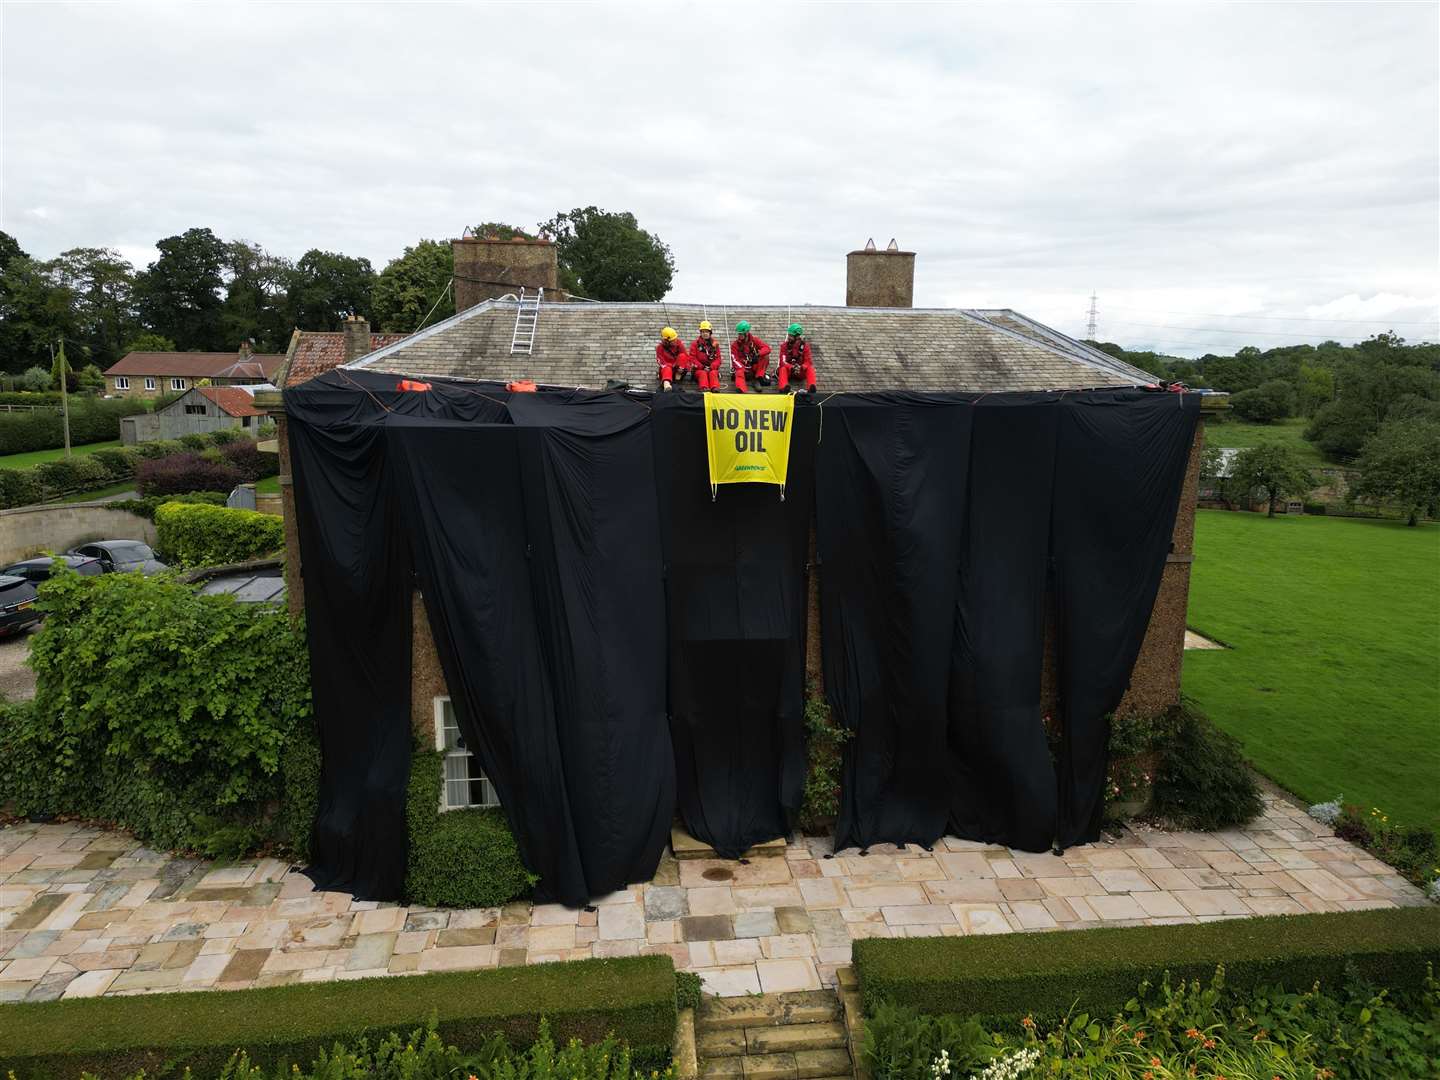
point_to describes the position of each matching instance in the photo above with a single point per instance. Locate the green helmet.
(742, 327)
(796, 330)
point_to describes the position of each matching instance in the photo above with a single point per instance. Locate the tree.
(607, 256)
(179, 294)
(1316, 387)
(1270, 401)
(36, 378)
(102, 287)
(90, 377)
(9, 249)
(326, 286)
(148, 342)
(34, 314)
(255, 297)
(1401, 464)
(1272, 469)
(496, 230)
(411, 286)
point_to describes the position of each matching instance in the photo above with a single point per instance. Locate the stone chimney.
(487, 267)
(247, 352)
(880, 278)
(357, 336)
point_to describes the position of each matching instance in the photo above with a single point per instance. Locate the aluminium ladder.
(527, 316)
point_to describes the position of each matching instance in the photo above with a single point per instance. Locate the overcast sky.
(1218, 175)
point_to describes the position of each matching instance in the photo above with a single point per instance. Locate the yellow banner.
(749, 438)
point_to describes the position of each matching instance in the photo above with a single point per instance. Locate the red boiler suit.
(673, 360)
(749, 359)
(705, 356)
(796, 358)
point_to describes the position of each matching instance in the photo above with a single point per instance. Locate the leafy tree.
(326, 286)
(149, 342)
(409, 288)
(102, 285)
(1314, 387)
(1340, 429)
(496, 230)
(34, 314)
(1272, 469)
(607, 256)
(255, 297)
(9, 249)
(1401, 464)
(36, 378)
(179, 294)
(90, 377)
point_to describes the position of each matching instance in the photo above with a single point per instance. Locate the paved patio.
(85, 912)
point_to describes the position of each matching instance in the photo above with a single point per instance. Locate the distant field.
(35, 457)
(1332, 680)
(1241, 434)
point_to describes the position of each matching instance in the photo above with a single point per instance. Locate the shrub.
(91, 420)
(118, 462)
(823, 746)
(1411, 849)
(195, 534)
(29, 397)
(225, 436)
(687, 990)
(458, 858)
(156, 708)
(70, 474)
(1202, 782)
(145, 507)
(37, 379)
(246, 459)
(18, 487)
(159, 448)
(184, 472)
(632, 998)
(1008, 975)
(194, 441)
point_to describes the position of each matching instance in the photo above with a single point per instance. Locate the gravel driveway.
(17, 682)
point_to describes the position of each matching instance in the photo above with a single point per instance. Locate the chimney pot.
(893, 246)
(870, 244)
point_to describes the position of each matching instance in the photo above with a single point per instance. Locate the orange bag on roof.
(411, 384)
(522, 386)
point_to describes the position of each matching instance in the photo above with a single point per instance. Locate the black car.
(39, 568)
(117, 556)
(17, 604)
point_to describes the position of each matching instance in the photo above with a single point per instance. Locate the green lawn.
(35, 457)
(1332, 681)
(1241, 434)
(269, 486)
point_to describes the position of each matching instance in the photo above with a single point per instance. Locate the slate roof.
(316, 352)
(198, 365)
(235, 400)
(856, 349)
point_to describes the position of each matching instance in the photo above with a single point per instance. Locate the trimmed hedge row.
(633, 997)
(197, 534)
(1044, 975)
(458, 858)
(91, 420)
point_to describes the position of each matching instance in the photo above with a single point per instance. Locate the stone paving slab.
(86, 912)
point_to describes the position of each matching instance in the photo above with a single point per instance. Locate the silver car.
(120, 556)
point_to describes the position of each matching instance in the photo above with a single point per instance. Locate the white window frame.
(149, 382)
(490, 798)
(177, 383)
(122, 382)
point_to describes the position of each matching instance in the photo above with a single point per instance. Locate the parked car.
(17, 604)
(39, 568)
(117, 556)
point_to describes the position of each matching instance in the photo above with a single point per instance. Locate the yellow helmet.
(668, 334)
(705, 325)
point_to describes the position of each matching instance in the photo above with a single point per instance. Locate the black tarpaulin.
(736, 601)
(1120, 469)
(891, 474)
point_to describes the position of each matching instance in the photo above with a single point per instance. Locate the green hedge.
(145, 507)
(91, 420)
(173, 714)
(1008, 975)
(194, 534)
(458, 858)
(633, 997)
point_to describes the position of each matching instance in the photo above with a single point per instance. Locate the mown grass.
(1332, 680)
(1241, 434)
(35, 457)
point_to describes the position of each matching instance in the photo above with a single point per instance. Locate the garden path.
(85, 911)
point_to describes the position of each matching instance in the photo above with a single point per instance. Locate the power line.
(1284, 318)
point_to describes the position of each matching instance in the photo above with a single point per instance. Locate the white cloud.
(1247, 160)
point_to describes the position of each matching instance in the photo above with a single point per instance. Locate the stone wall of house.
(31, 530)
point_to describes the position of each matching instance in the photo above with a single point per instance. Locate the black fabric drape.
(1120, 469)
(1004, 784)
(736, 599)
(890, 496)
(357, 593)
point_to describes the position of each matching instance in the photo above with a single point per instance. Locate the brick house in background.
(313, 352)
(878, 340)
(154, 374)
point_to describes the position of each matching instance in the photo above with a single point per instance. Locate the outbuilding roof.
(234, 400)
(315, 352)
(855, 349)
